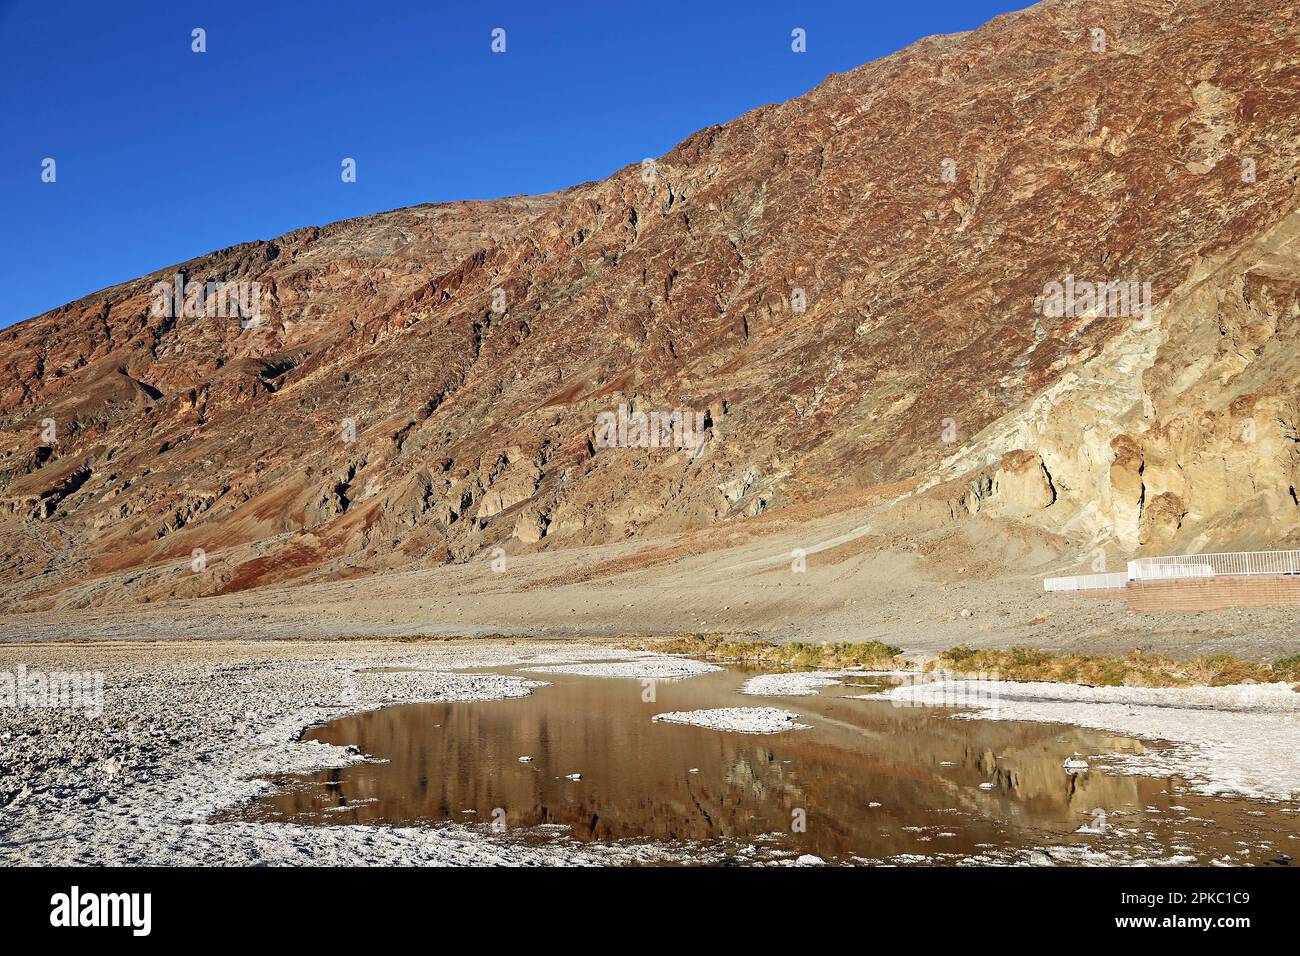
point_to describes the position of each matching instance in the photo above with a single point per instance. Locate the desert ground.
(864, 578)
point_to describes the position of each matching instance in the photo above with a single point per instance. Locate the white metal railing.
(1087, 582)
(1172, 569)
(1208, 565)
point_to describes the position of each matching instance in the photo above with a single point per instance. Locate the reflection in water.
(870, 780)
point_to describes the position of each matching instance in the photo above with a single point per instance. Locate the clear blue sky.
(164, 154)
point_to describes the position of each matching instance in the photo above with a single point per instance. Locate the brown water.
(647, 780)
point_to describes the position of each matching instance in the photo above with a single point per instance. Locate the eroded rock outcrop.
(1022, 485)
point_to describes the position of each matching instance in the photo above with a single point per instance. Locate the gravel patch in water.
(647, 668)
(744, 720)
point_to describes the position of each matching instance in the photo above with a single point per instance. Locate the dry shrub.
(1135, 669)
(869, 654)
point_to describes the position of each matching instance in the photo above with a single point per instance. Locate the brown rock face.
(847, 289)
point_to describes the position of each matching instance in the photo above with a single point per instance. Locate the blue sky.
(163, 154)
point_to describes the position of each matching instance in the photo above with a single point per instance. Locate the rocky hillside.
(850, 290)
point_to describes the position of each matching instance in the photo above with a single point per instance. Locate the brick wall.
(1213, 594)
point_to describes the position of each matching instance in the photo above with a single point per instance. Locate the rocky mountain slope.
(848, 288)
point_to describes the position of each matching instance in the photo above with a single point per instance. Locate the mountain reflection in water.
(869, 779)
